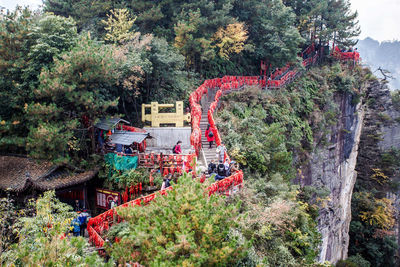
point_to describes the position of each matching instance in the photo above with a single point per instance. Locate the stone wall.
(166, 137)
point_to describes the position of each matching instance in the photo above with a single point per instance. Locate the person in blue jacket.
(76, 227)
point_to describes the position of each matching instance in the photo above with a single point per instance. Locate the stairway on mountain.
(208, 153)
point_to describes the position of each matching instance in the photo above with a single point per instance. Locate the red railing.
(355, 56)
(99, 224)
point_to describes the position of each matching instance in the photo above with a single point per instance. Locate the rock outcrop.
(370, 125)
(332, 167)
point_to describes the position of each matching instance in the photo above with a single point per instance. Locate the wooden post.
(154, 113)
(179, 113)
(85, 196)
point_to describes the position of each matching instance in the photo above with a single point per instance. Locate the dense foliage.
(372, 234)
(42, 240)
(275, 27)
(182, 228)
(279, 223)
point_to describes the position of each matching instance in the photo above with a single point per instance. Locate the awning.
(108, 124)
(127, 138)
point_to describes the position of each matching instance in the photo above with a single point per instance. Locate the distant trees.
(274, 27)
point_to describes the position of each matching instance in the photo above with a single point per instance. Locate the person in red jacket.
(210, 135)
(177, 148)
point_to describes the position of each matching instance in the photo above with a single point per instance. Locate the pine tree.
(271, 30)
(183, 228)
(71, 95)
(15, 39)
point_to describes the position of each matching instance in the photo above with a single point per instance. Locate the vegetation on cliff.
(372, 234)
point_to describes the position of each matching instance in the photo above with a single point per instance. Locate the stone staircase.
(208, 153)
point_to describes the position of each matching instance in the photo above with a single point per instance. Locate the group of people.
(79, 223)
(222, 169)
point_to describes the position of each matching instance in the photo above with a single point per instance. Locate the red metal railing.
(99, 224)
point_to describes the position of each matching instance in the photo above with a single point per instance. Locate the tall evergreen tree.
(71, 95)
(28, 43)
(272, 30)
(330, 20)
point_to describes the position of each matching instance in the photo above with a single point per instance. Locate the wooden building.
(26, 178)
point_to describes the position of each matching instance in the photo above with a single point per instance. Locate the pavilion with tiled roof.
(22, 176)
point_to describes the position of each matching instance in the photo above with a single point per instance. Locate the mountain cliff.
(332, 167)
(359, 152)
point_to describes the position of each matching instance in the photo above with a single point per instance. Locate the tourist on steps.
(221, 152)
(221, 174)
(212, 168)
(76, 226)
(226, 164)
(166, 182)
(177, 148)
(210, 135)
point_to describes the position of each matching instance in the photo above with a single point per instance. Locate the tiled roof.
(19, 173)
(108, 124)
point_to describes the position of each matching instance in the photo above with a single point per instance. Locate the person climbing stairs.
(209, 154)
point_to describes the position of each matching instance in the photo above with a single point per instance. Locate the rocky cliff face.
(332, 167)
(373, 127)
(381, 132)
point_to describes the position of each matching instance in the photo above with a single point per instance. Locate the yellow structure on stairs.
(156, 118)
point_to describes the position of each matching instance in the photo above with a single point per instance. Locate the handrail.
(226, 84)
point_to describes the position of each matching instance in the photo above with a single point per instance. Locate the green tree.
(329, 20)
(30, 43)
(271, 30)
(339, 23)
(183, 228)
(52, 35)
(42, 240)
(72, 94)
(153, 71)
(167, 81)
(118, 26)
(15, 36)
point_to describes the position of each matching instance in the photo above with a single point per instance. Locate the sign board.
(105, 196)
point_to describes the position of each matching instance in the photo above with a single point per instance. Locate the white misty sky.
(379, 19)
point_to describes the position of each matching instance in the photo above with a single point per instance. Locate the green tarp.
(121, 163)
